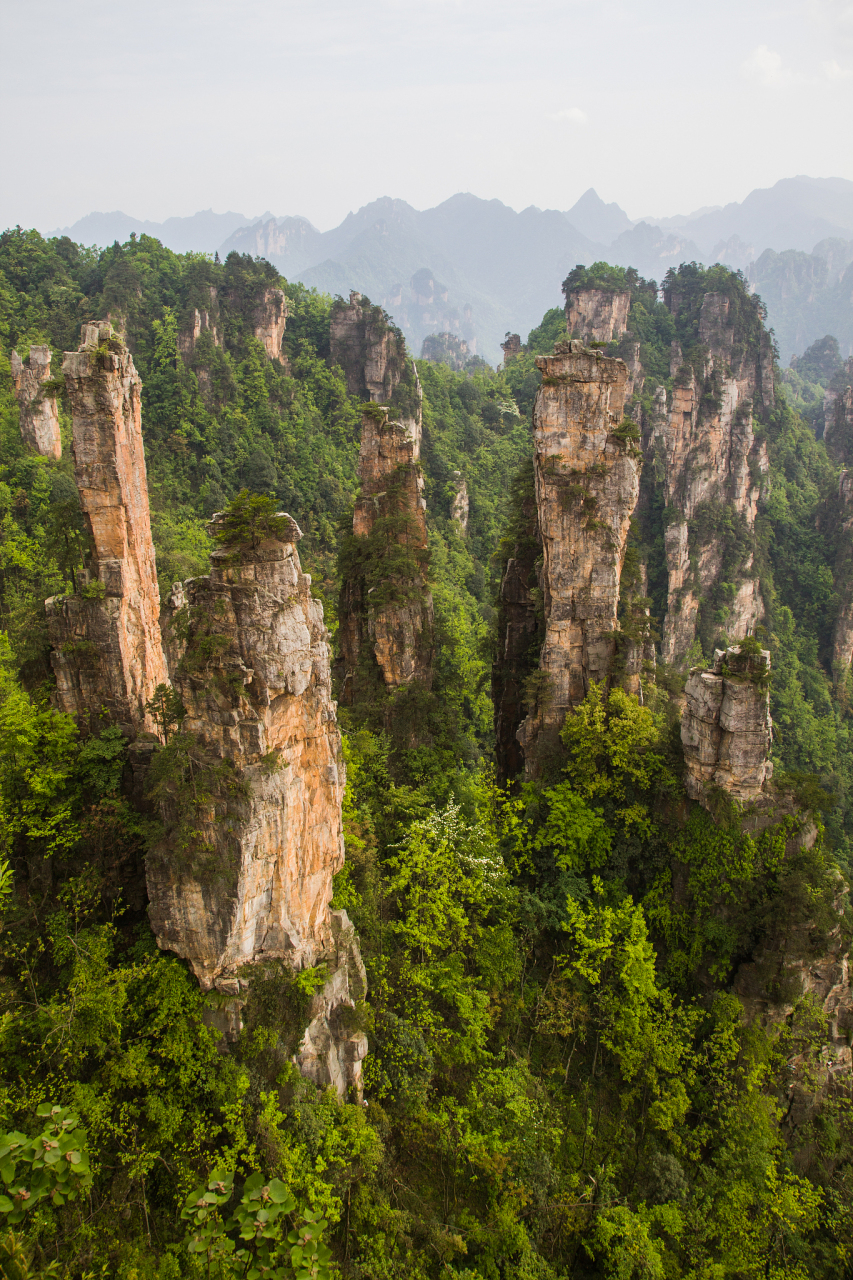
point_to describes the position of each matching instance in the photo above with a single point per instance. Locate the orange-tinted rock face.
(391, 615)
(371, 353)
(587, 483)
(254, 678)
(706, 441)
(107, 652)
(39, 414)
(251, 662)
(596, 315)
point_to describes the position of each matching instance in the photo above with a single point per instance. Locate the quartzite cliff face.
(371, 351)
(252, 807)
(39, 413)
(386, 606)
(252, 667)
(386, 621)
(107, 653)
(587, 478)
(597, 315)
(706, 446)
(254, 677)
(726, 727)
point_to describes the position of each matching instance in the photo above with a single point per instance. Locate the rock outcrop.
(38, 412)
(726, 727)
(512, 347)
(710, 456)
(269, 319)
(460, 505)
(587, 476)
(201, 321)
(107, 653)
(371, 352)
(253, 673)
(597, 315)
(260, 783)
(386, 606)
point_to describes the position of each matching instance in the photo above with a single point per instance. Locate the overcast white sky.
(164, 107)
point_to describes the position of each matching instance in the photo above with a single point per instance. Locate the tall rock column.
(253, 827)
(587, 475)
(597, 315)
(39, 413)
(369, 349)
(386, 606)
(726, 726)
(711, 457)
(107, 652)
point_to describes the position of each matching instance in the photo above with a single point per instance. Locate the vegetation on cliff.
(569, 1073)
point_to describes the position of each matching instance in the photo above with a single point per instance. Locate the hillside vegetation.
(565, 1077)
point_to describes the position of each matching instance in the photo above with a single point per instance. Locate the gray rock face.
(726, 727)
(39, 413)
(587, 477)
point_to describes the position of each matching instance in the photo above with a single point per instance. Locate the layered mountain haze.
(476, 268)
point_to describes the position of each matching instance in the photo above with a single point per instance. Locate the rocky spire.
(386, 606)
(710, 456)
(370, 350)
(726, 726)
(587, 481)
(259, 784)
(107, 653)
(597, 315)
(39, 413)
(270, 321)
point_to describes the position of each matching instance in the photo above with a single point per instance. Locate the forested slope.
(589, 1049)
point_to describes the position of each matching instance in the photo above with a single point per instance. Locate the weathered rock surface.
(253, 673)
(512, 347)
(38, 412)
(597, 315)
(710, 455)
(332, 1051)
(460, 505)
(587, 481)
(270, 321)
(107, 653)
(250, 659)
(726, 727)
(204, 321)
(371, 352)
(390, 617)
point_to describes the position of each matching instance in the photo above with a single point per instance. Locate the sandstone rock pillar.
(369, 349)
(252, 881)
(726, 727)
(107, 653)
(587, 474)
(707, 444)
(597, 315)
(386, 605)
(39, 413)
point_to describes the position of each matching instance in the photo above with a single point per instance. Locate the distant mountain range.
(479, 269)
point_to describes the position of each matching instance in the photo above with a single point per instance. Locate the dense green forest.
(563, 1080)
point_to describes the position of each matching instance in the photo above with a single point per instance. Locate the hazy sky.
(164, 107)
